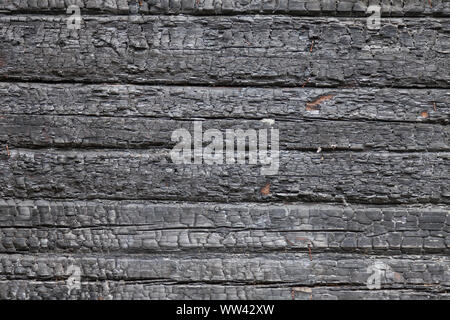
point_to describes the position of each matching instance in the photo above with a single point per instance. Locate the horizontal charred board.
(106, 290)
(236, 50)
(187, 102)
(372, 219)
(395, 8)
(150, 174)
(114, 132)
(144, 227)
(431, 273)
(141, 239)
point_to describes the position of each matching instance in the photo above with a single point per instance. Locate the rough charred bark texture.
(240, 50)
(87, 181)
(390, 8)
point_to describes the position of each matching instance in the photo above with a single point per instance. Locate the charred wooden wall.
(86, 179)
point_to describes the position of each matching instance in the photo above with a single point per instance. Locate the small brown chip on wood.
(434, 106)
(266, 190)
(308, 108)
(309, 249)
(7, 150)
(312, 46)
(311, 105)
(398, 277)
(304, 84)
(424, 114)
(431, 4)
(302, 289)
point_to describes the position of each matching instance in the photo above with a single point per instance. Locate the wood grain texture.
(149, 174)
(284, 269)
(126, 227)
(114, 132)
(395, 8)
(193, 102)
(145, 116)
(38, 290)
(240, 50)
(86, 177)
(73, 214)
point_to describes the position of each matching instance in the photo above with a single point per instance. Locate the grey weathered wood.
(150, 174)
(136, 226)
(155, 215)
(293, 7)
(283, 269)
(106, 290)
(114, 132)
(143, 239)
(142, 227)
(240, 50)
(192, 102)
